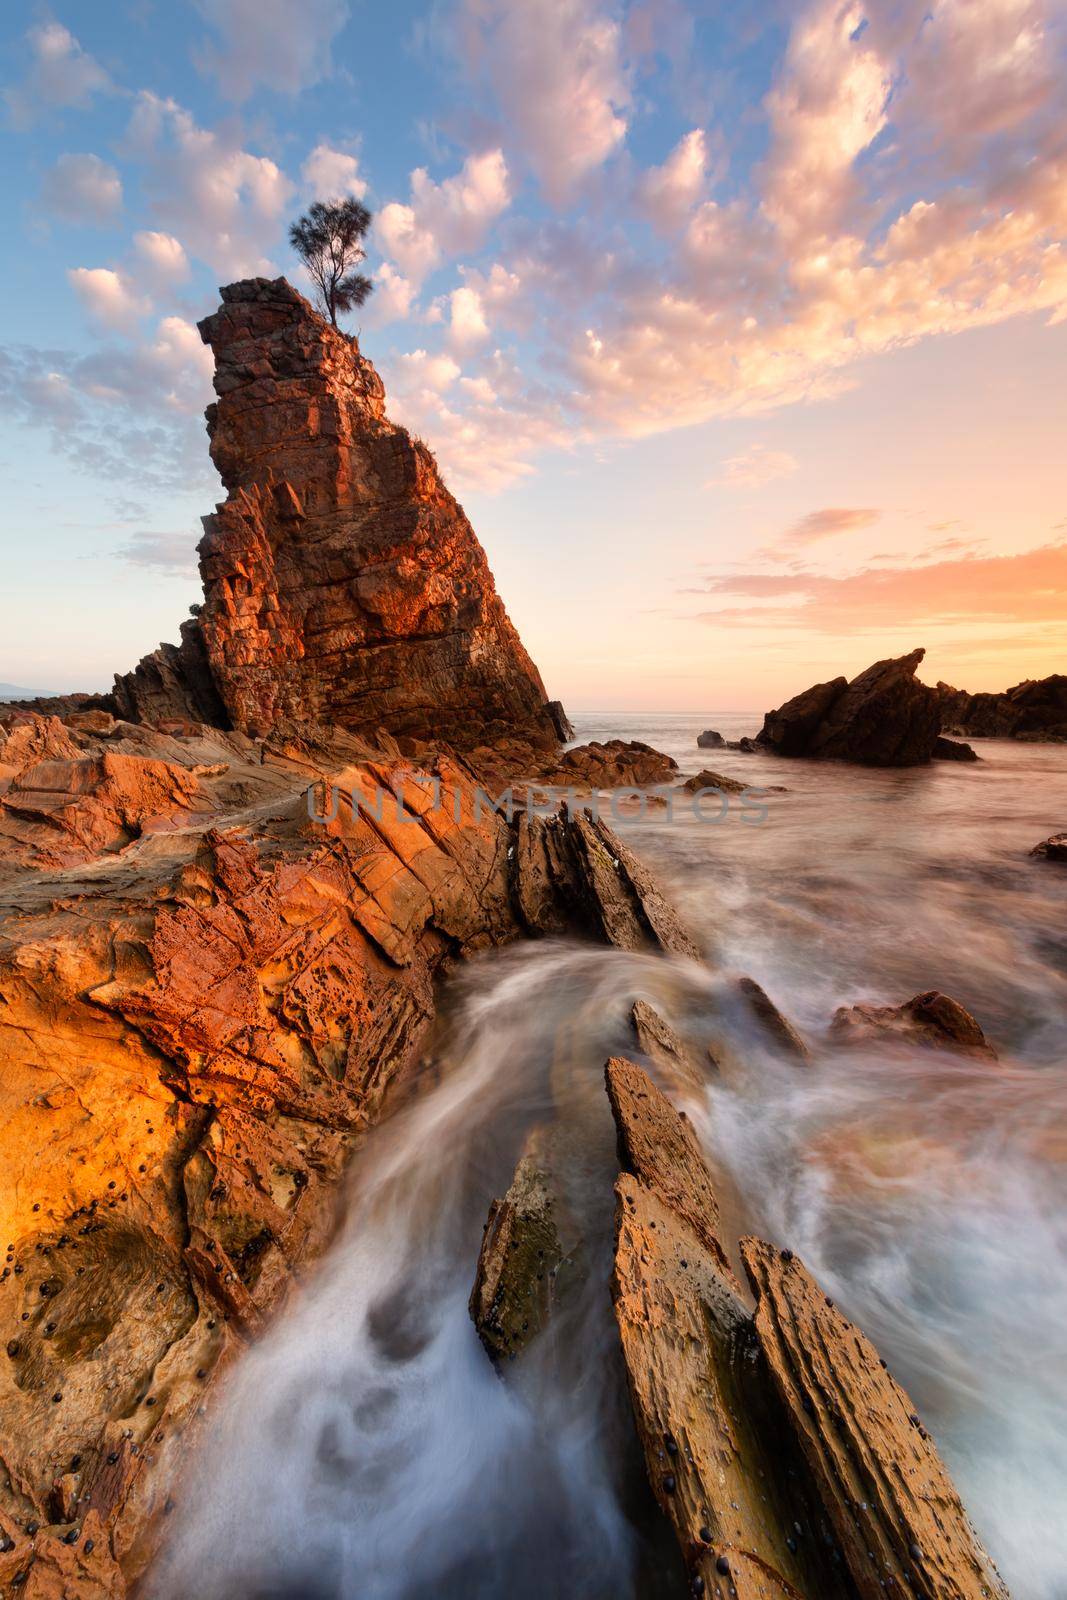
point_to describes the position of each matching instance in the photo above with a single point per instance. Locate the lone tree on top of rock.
(329, 240)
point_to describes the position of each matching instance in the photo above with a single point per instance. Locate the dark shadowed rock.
(1052, 849)
(930, 1018)
(953, 750)
(574, 871)
(885, 718)
(710, 740)
(174, 682)
(1035, 709)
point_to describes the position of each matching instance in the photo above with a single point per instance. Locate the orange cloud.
(1028, 587)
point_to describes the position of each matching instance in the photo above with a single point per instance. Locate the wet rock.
(953, 750)
(1053, 848)
(720, 1458)
(930, 1018)
(779, 1029)
(658, 1146)
(658, 1040)
(572, 869)
(1033, 710)
(342, 582)
(879, 1476)
(710, 740)
(527, 1261)
(713, 780)
(617, 764)
(884, 717)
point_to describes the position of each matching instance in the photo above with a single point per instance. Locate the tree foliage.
(329, 240)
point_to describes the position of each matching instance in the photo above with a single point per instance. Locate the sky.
(739, 330)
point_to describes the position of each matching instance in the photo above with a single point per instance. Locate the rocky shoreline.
(206, 996)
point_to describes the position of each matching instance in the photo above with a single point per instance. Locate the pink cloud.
(1027, 587)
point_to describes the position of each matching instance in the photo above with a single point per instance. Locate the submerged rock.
(658, 1040)
(779, 1029)
(930, 1018)
(884, 717)
(713, 780)
(1054, 848)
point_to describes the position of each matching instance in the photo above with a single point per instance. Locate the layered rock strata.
(789, 1463)
(343, 583)
(205, 994)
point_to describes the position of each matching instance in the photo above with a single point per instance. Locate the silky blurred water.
(367, 1449)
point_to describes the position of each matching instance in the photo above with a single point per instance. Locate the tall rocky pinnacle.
(343, 583)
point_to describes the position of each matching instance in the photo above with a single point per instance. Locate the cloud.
(485, 428)
(61, 75)
(558, 77)
(467, 324)
(227, 205)
(825, 524)
(270, 44)
(977, 70)
(161, 259)
(164, 552)
(1028, 587)
(827, 109)
(755, 467)
(109, 297)
(330, 174)
(393, 297)
(667, 194)
(444, 219)
(82, 188)
(129, 413)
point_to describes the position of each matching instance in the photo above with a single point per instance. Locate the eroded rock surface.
(342, 582)
(788, 1461)
(884, 718)
(930, 1018)
(1054, 848)
(721, 1460)
(208, 981)
(897, 1517)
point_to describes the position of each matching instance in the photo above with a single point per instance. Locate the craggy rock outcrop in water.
(343, 583)
(1035, 709)
(930, 1018)
(884, 718)
(789, 1462)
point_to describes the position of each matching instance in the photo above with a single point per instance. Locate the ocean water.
(367, 1449)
